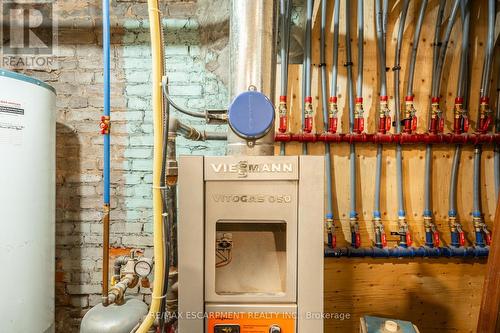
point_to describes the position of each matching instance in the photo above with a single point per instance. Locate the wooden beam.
(490, 304)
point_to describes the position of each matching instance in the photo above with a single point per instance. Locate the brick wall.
(195, 53)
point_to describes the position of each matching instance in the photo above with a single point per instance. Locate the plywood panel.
(439, 295)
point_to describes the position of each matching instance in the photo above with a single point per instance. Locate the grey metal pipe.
(397, 65)
(378, 176)
(385, 21)
(324, 104)
(436, 47)
(324, 88)
(253, 26)
(464, 55)
(490, 46)
(284, 50)
(476, 203)
(350, 96)
(359, 82)
(307, 63)
(453, 181)
(336, 20)
(427, 181)
(191, 133)
(414, 49)
(439, 68)
(350, 93)
(380, 44)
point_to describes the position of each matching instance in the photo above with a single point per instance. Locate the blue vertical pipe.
(107, 88)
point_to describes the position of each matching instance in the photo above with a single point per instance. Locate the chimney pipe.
(253, 26)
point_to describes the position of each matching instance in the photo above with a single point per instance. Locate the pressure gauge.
(143, 267)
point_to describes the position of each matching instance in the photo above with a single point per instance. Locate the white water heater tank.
(27, 203)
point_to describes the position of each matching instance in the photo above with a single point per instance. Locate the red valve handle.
(408, 239)
(332, 125)
(308, 124)
(461, 238)
(388, 123)
(437, 241)
(466, 124)
(384, 240)
(358, 240)
(486, 123)
(488, 238)
(283, 123)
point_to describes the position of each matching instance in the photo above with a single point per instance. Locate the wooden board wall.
(439, 295)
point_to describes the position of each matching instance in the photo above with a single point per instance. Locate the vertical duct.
(252, 63)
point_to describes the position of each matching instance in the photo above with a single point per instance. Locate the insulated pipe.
(252, 63)
(324, 99)
(353, 215)
(157, 101)
(105, 130)
(405, 238)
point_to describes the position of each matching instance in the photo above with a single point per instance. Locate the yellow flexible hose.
(157, 101)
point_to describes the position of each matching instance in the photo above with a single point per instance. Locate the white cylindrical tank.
(27, 203)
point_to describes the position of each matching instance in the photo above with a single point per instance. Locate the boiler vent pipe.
(253, 26)
(105, 130)
(353, 215)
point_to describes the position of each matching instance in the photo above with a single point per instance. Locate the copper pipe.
(105, 255)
